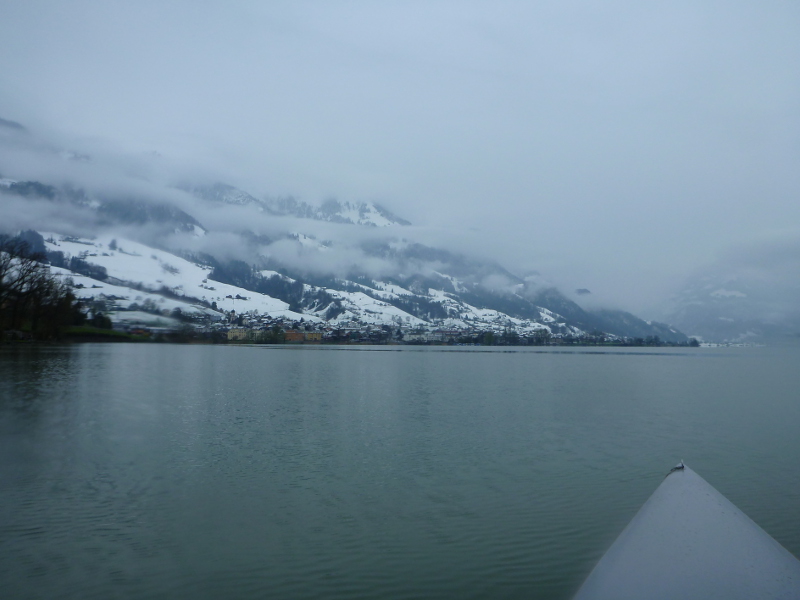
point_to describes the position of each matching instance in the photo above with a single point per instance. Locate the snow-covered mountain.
(128, 276)
(124, 277)
(210, 249)
(331, 210)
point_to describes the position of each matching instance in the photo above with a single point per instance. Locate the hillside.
(212, 250)
(125, 278)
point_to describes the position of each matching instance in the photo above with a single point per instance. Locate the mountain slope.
(335, 211)
(133, 273)
(374, 279)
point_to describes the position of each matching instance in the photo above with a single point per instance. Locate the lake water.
(161, 471)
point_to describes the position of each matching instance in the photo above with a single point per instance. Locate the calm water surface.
(158, 471)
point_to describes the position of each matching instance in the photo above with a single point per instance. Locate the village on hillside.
(252, 327)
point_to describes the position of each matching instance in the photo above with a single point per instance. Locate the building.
(295, 336)
(238, 333)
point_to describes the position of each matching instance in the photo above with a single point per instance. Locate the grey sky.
(610, 145)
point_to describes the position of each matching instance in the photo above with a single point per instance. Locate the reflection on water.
(205, 472)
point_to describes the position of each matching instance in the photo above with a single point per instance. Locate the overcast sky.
(612, 145)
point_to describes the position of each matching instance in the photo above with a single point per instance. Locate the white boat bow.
(689, 542)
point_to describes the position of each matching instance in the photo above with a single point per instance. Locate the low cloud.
(17, 214)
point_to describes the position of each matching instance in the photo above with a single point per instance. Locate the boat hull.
(688, 541)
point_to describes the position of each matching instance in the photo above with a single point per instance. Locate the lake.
(169, 471)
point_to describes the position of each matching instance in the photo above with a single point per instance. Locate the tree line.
(33, 302)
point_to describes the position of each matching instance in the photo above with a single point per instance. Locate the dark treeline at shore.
(33, 303)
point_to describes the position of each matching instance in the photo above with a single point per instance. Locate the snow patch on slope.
(131, 262)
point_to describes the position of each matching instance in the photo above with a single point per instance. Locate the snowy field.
(133, 263)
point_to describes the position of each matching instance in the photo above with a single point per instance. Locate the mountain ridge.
(422, 286)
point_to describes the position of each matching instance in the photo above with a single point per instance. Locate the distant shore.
(89, 334)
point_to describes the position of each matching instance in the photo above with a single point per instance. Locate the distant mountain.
(222, 192)
(115, 274)
(332, 211)
(108, 210)
(131, 211)
(422, 286)
(29, 189)
(446, 290)
(615, 322)
(745, 306)
(622, 323)
(335, 211)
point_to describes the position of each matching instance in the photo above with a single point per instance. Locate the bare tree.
(29, 295)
